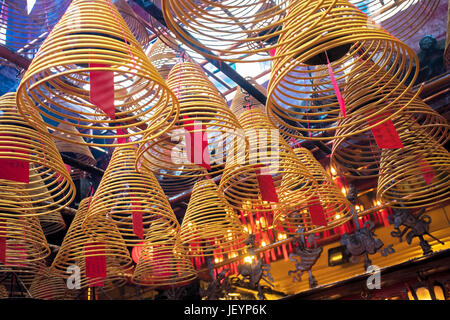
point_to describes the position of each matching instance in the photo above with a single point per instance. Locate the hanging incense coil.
(269, 151)
(243, 101)
(46, 286)
(210, 225)
(30, 155)
(417, 175)
(174, 186)
(330, 201)
(163, 260)
(24, 28)
(101, 233)
(132, 200)
(23, 240)
(76, 150)
(135, 23)
(205, 118)
(391, 15)
(337, 31)
(356, 152)
(162, 57)
(229, 29)
(92, 74)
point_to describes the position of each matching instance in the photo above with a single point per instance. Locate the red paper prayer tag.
(102, 89)
(138, 228)
(122, 139)
(197, 144)
(385, 134)
(316, 212)
(427, 171)
(13, 169)
(95, 259)
(266, 185)
(272, 52)
(339, 97)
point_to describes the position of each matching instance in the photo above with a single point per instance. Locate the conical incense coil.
(269, 155)
(77, 151)
(416, 175)
(227, 30)
(243, 101)
(26, 155)
(206, 124)
(329, 202)
(210, 225)
(391, 15)
(163, 260)
(132, 200)
(174, 186)
(162, 57)
(21, 237)
(24, 25)
(91, 73)
(134, 22)
(78, 244)
(331, 31)
(46, 286)
(357, 153)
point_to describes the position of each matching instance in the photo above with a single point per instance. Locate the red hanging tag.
(385, 134)
(95, 260)
(13, 169)
(138, 228)
(316, 212)
(122, 139)
(272, 52)
(102, 89)
(339, 97)
(197, 144)
(2, 243)
(266, 185)
(427, 170)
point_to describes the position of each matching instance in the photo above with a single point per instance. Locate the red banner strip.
(95, 259)
(102, 89)
(266, 185)
(385, 134)
(197, 144)
(316, 212)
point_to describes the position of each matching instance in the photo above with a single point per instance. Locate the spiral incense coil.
(418, 175)
(162, 57)
(92, 74)
(163, 260)
(267, 150)
(335, 207)
(210, 226)
(228, 29)
(357, 155)
(124, 194)
(23, 29)
(22, 236)
(391, 15)
(46, 286)
(135, 23)
(337, 31)
(77, 151)
(27, 153)
(107, 237)
(243, 101)
(204, 116)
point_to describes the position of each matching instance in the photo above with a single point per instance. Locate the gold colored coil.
(46, 286)
(339, 31)
(56, 86)
(21, 142)
(336, 208)
(162, 57)
(124, 191)
(210, 225)
(200, 101)
(163, 260)
(107, 239)
(292, 181)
